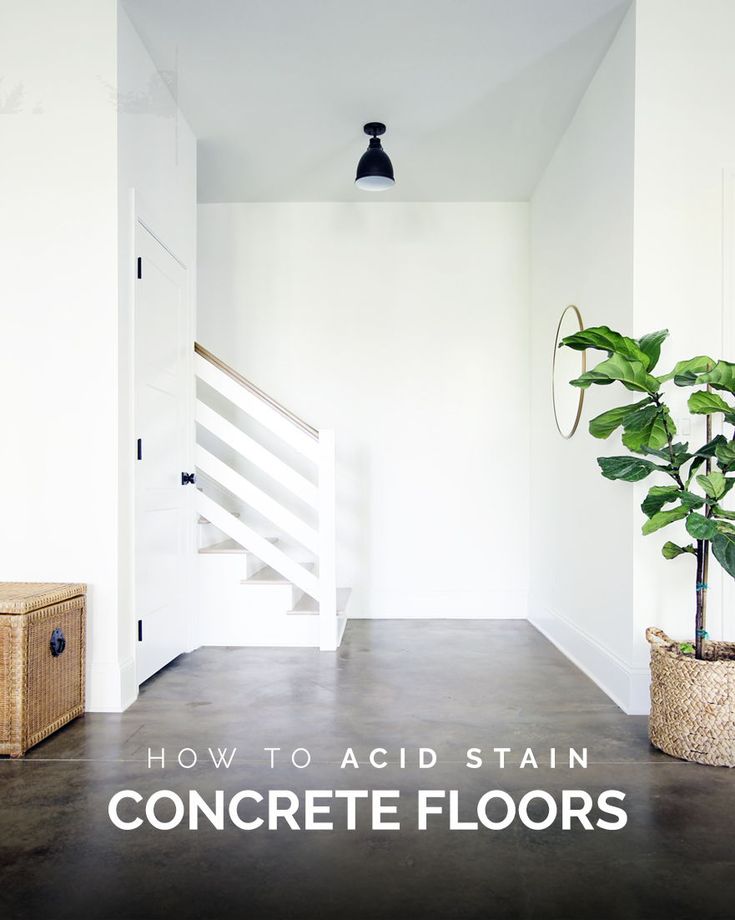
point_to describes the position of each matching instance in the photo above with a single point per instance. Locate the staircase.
(266, 504)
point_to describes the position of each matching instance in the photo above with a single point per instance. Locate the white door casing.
(163, 427)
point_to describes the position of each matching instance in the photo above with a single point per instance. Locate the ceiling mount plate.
(374, 128)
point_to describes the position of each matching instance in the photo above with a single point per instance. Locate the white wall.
(156, 183)
(685, 160)
(58, 238)
(634, 220)
(404, 327)
(582, 253)
(67, 162)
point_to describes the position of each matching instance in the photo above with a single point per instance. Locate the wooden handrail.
(256, 391)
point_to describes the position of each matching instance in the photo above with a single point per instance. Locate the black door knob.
(188, 479)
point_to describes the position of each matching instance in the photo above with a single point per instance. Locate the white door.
(162, 362)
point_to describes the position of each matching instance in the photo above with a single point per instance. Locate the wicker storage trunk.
(693, 701)
(42, 630)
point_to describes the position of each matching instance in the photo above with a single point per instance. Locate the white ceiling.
(475, 93)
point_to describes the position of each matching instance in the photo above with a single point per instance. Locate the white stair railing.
(316, 445)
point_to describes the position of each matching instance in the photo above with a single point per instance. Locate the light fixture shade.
(375, 170)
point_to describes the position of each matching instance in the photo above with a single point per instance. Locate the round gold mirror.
(567, 365)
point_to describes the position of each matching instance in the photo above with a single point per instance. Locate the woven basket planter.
(693, 701)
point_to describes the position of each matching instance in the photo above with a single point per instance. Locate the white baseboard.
(111, 686)
(444, 605)
(442, 615)
(626, 686)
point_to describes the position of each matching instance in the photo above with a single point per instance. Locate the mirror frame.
(580, 403)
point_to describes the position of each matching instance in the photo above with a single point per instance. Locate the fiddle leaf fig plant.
(691, 484)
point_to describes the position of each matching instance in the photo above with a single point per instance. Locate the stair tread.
(204, 520)
(307, 604)
(225, 546)
(269, 576)
(229, 546)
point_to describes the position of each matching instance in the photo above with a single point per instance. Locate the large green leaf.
(725, 454)
(695, 465)
(704, 403)
(710, 448)
(690, 500)
(606, 339)
(678, 449)
(630, 469)
(655, 436)
(663, 519)
(704, 452)
(602, 426)
(721, 377)
(657, 497)
(632, 374)
(672, 550)
(650, 345)
(700, 527)
(723, 546)
(647, 428)
(590, 377)
(723, 512)
(640, 419)
(715, 485)
(687, 368)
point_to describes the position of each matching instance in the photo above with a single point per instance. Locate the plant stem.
(701, 617)
(702, 545)
(659, 405)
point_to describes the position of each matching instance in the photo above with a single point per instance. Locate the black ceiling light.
(375, 170)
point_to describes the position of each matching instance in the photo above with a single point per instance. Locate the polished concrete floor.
(448, 685)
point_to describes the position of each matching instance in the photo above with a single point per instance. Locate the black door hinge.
(140, 449)
(140, 630)
(140, 267)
